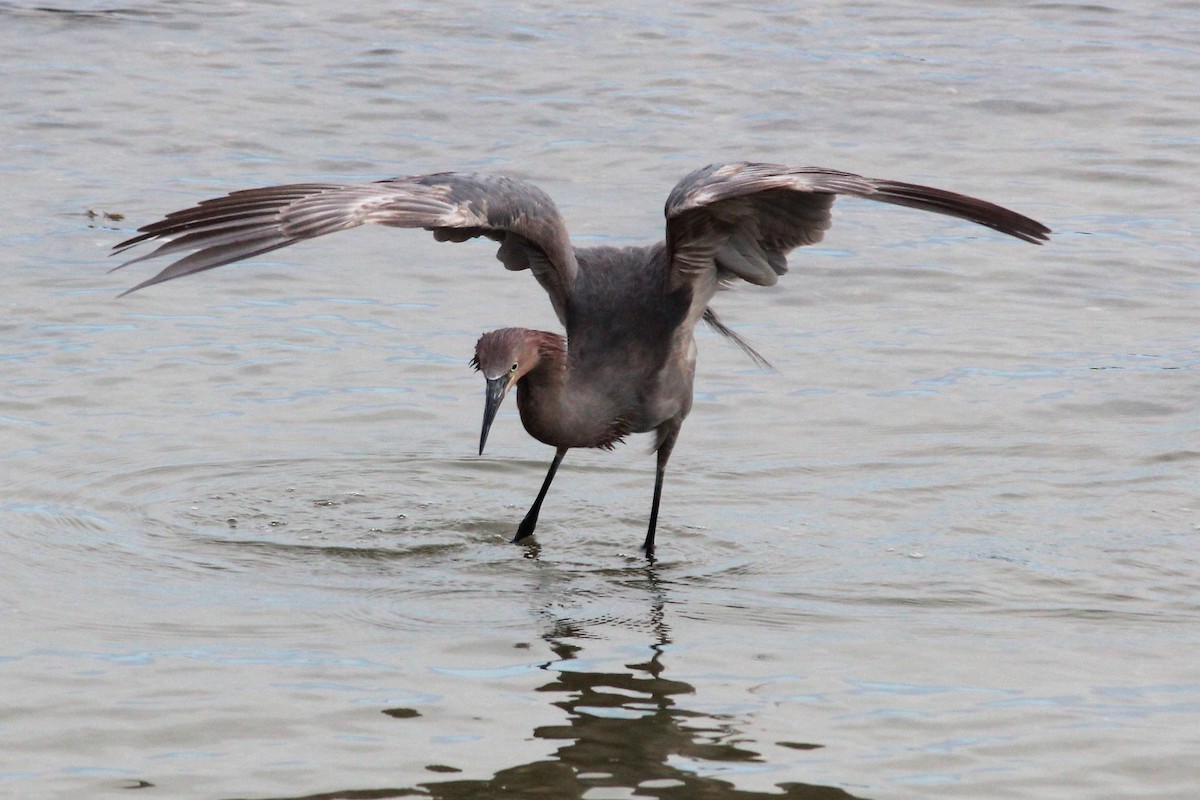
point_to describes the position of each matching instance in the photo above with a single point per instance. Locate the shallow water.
(947, 548)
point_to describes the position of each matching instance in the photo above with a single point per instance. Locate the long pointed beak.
(496, 389)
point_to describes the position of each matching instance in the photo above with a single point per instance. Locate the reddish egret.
(628, 359)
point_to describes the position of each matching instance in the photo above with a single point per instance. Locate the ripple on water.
(396, 544)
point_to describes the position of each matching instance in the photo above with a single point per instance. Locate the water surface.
(947, 548)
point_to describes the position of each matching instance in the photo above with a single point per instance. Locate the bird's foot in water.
(525, 529)
(648, 544)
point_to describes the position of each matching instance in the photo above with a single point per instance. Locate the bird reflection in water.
(637, 749)
(625, 730)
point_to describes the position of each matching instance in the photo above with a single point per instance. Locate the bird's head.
(504, 357)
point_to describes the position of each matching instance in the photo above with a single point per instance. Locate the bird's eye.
(513, 368)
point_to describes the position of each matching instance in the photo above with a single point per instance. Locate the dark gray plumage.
(629, 313)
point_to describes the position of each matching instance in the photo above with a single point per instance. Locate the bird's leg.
(664, 453)
(530, 522)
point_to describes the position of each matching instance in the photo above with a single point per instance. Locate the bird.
(625, 361)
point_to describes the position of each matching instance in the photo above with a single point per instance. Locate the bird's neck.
(545, 384)
(554, 409)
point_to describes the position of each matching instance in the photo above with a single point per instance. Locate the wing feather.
(742, 219)
(453, 206)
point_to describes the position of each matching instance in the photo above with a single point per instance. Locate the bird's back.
(626, 331)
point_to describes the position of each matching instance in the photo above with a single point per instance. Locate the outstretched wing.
(742, 219)
(454, 206)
